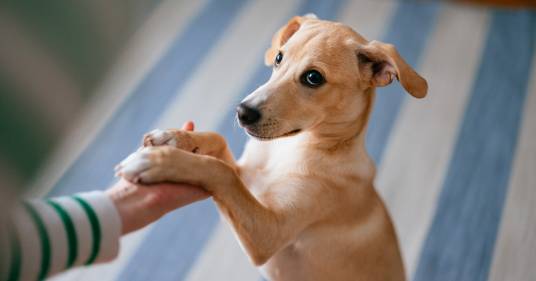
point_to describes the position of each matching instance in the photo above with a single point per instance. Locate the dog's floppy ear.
(379, 63)
(282, 36)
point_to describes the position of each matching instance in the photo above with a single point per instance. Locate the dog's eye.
(278, 58)
(312, 79)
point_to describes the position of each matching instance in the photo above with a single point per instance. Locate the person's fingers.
(181, 190)
(170, 196)
(188, 126)
(179, 187)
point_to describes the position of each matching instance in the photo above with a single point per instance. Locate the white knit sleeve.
(49, 236)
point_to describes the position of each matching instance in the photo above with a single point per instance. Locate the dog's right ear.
(282, 36)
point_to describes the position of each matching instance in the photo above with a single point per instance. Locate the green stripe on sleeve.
(45, 241)
(70, 231)
(95, 228)
(14, 268)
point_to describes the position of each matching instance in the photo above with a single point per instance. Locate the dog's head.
(324, 75)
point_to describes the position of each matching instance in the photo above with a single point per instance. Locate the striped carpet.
(457, 169)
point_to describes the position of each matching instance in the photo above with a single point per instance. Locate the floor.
(457, 169)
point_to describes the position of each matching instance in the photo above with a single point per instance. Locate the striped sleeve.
(50, 236)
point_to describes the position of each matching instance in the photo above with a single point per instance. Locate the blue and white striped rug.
(457, 169)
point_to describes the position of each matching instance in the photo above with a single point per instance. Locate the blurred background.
(53, 57)
(81, 81)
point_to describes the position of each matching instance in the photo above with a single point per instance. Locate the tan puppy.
(301, 199)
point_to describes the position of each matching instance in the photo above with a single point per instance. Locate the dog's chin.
(272, 137)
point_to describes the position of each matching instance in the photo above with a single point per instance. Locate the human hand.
(139, 205)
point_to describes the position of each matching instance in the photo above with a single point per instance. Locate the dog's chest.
(260, 180)
(264, 165)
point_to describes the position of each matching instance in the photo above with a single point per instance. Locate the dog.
(301, 199)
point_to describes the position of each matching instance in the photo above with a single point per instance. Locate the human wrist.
(133, 206)
(140, 205)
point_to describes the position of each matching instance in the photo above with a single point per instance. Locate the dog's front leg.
(263, 229)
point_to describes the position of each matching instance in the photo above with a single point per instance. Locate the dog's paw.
(159, 137)
(176, 138)
(135, 164)
(143, 166)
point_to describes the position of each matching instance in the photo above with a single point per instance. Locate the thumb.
(188, 126)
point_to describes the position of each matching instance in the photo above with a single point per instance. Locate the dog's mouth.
(265, 138)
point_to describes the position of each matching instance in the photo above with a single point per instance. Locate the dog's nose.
(247, 114)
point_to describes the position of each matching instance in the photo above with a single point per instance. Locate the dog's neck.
(334, 134)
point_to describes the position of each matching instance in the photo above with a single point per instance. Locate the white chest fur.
(264, 163)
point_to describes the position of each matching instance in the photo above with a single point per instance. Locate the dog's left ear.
(282, 36)
(379, 63)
